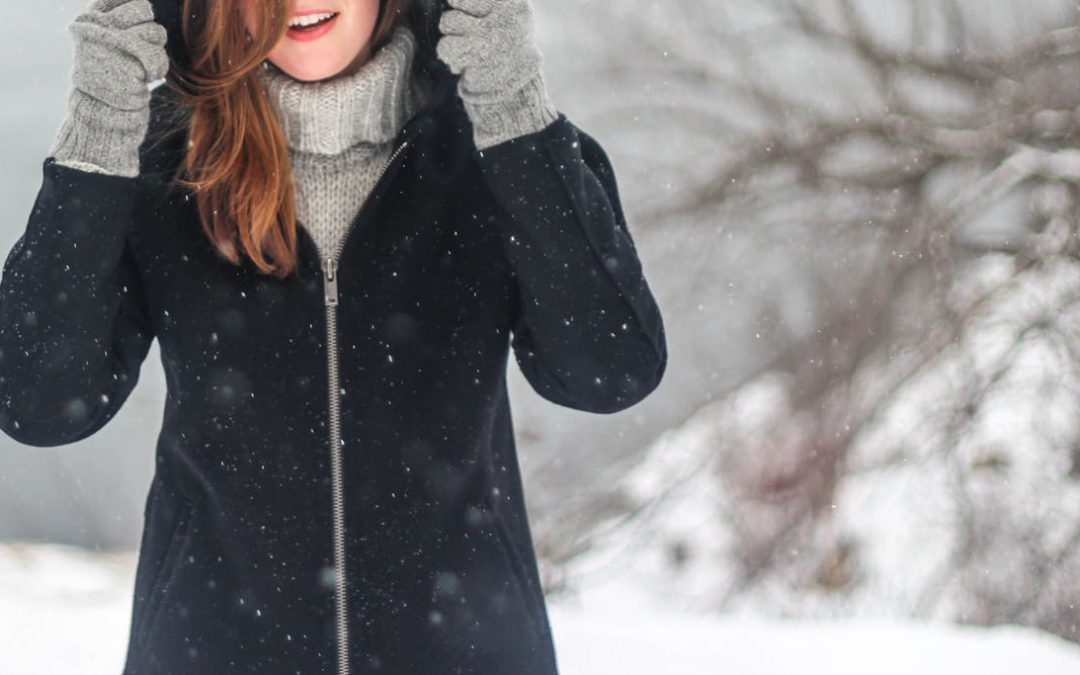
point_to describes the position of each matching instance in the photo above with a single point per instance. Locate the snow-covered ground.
(65, 610)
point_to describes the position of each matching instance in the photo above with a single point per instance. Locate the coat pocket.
(160, 587)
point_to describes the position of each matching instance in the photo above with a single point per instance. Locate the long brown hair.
(237, 161)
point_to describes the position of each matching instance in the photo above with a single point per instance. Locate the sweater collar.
(368, 106)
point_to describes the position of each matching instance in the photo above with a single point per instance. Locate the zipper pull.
(330, 294)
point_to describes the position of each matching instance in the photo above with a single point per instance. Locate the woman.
(337, 232)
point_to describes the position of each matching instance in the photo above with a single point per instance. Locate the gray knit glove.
(490, 44)
(118, 50)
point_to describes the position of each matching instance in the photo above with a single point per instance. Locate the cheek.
(352, 34)
(363, 10)
(360, 15)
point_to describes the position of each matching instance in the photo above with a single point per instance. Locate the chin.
(312, 70)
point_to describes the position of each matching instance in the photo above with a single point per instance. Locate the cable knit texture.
(490, 44)
(118, 51)
(340, 133)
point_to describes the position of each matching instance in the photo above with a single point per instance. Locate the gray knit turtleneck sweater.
(340, 133)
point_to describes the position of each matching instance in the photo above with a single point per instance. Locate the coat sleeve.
(74, 328)
(587, 331)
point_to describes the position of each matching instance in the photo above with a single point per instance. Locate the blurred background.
(860, 220)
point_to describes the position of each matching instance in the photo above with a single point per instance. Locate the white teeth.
(309, 19)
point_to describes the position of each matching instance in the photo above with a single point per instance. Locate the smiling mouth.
(311, 22)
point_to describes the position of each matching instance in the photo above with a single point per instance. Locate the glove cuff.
(95, 136)
(524, 111)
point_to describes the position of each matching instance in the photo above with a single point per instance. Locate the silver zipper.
(330, 295)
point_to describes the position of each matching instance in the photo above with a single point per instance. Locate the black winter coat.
(372, 437)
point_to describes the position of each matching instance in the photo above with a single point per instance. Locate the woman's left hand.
(490, 44)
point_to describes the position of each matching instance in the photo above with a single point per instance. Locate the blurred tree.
(909, 176)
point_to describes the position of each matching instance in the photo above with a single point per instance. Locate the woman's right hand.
(118, 51)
